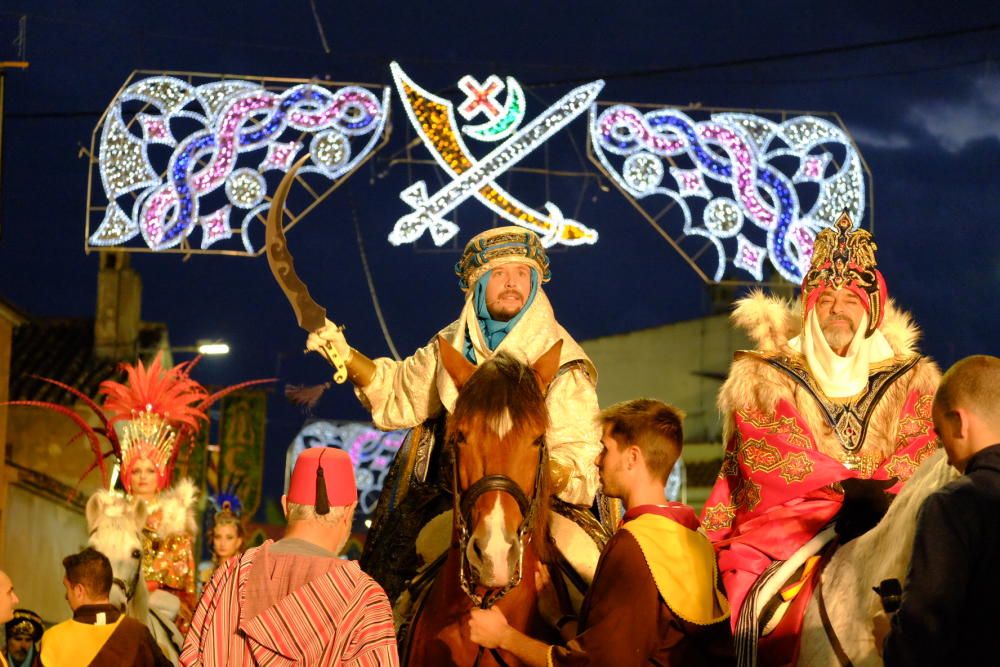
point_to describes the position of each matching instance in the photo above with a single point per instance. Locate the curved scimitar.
(310, 315)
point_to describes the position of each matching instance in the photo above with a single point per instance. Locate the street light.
(213, 348)
(205, 347)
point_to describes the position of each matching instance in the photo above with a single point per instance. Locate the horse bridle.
(128, 590)
(462, 507)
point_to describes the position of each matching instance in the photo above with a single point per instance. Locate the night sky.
(917, 84)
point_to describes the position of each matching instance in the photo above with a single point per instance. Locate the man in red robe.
(836, 394)
(293, 601)
(655, 597)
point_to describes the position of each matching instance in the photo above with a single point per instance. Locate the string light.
(434, 120)
(502, 123)
(232, 119)
(735, 164)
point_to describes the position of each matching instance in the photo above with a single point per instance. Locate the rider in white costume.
(501, 272)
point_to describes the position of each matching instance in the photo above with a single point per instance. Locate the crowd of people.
(824, 424)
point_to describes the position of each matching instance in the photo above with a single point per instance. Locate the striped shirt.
(269, 608)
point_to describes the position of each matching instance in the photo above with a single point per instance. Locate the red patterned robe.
(281, 609)
(788, 445)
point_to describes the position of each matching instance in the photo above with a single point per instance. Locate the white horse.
(847, 580)
(115, 525)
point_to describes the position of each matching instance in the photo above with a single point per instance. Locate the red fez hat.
(323, 477)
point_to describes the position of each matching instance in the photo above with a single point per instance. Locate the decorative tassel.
(306, 396)
(322, 500)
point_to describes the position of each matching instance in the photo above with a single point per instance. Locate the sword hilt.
(335, 359)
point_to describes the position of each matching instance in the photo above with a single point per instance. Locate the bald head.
(8, 598)
(967, 407)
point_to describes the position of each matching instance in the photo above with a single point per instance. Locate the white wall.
(38, 534)
(662, 363)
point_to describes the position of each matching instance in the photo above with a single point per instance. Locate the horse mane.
(112, 519)
(881, 553)
(502, 389)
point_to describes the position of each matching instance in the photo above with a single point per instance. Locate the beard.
(838, 337)
(504, 310)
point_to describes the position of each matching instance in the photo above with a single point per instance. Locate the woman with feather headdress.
(148, 420)
(153, 413)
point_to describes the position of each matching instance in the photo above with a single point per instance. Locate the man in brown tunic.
(98, 635)
(655, 598)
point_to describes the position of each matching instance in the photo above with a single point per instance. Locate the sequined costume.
(168, 547)
(150, 417)
(789, 443)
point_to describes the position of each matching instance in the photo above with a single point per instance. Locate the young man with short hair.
(947, 615)
(98, 635)
(655, 597)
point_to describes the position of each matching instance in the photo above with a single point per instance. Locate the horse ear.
(459, 368)
(95, 508)
(547, 365)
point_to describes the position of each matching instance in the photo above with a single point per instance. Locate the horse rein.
(128, 590)
(824, 615)
(463, 502)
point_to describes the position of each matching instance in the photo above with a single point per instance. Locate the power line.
(40, 115)
(608, 76)
(319, 26)
(845, 77)
(757, 60)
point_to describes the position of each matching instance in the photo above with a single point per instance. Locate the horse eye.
(136, 554)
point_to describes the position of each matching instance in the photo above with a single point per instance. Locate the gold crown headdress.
(151, 415)
(153, 406)
(147, 435)
(25, 622)
(844, 257)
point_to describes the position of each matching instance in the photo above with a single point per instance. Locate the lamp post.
(210, 348)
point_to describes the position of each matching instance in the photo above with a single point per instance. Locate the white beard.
(840, 376)
(839, 338)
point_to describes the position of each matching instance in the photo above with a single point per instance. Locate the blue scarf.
(27, 659)
(494, 331)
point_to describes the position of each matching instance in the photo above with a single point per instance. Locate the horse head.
(496, 435)
(115, 524)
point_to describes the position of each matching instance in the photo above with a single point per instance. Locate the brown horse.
(501, 503)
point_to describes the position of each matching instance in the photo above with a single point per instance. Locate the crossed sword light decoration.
(434, 120)
(472, 178)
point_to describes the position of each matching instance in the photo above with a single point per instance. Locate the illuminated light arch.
(370, 449)
(752, 188)
(434, 120)
(182, 154)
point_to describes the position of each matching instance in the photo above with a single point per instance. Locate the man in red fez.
(294, 601)
(830, 411)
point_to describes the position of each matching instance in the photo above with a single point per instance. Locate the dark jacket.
(950, 610)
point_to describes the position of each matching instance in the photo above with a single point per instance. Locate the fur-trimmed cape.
(771, 322)
(177, 505)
